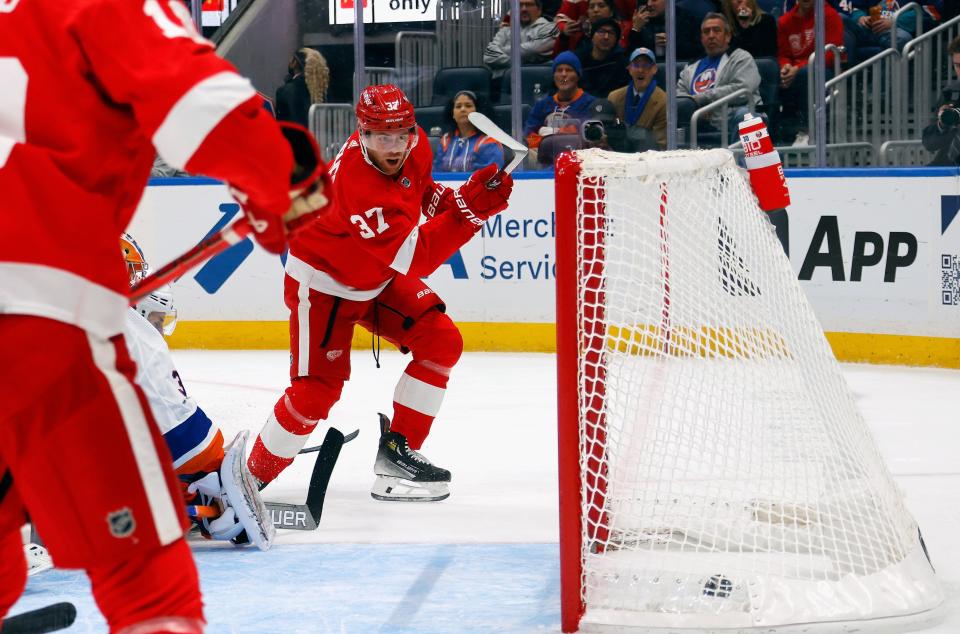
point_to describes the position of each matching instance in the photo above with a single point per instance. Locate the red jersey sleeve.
(198, 112)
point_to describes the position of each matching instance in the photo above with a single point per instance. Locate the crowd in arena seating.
(606, 58)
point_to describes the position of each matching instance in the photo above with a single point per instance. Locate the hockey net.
(715, 473)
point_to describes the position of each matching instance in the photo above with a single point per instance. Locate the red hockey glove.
(436, 200)
(308, 182)
(477, 202)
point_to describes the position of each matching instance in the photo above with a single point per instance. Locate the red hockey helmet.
(384, 107)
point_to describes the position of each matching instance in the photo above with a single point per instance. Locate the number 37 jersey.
(370, 233)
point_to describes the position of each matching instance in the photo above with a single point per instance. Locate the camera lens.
(593, 132)
(950, 117)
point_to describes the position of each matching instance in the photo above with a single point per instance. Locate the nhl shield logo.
(405, 181)
(121, 523)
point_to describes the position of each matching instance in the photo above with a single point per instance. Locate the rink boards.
(877, 253)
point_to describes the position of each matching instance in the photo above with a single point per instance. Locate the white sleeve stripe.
(418, 395)
(166, 518)
(303, 330)
(198, 112)
(404, 258)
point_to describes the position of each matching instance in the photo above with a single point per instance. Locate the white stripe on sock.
(418, 396)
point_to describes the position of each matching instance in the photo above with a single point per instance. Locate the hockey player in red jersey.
(91, 89)
(362, 263)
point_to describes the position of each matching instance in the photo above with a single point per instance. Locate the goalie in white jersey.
(195, 442)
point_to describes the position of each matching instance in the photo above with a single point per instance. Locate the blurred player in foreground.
(91, 89)
(361, 264)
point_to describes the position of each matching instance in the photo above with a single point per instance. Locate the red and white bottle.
(763, 164)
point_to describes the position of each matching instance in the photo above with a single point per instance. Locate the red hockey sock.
(417, 400)
(284, 434)
(155, 592)
(305, 403)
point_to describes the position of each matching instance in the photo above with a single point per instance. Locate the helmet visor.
(387, 140)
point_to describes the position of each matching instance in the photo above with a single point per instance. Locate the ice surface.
(485, 560)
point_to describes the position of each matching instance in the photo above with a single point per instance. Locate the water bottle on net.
(763, 164)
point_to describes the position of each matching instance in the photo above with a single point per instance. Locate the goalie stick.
(483, 123)
(51, 618)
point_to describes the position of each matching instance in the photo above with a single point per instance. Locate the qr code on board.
(950, 279)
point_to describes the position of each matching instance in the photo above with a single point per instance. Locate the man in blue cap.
(642, 104)
(562, 111)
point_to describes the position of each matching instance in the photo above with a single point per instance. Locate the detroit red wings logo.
(705, 80)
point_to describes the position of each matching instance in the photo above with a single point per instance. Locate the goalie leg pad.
(240, 489)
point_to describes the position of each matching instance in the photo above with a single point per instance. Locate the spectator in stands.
(942, 136)
(574, 13)
(795, 43)
(308, 78)
(463, 148)
(870, 22)
(649, 30)
(753, 30)
(561, 112)
(537, 37)
(641, 104)
(604, 63)
(575, 33)
(720, 73)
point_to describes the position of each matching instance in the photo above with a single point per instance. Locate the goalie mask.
(387, 127)
(158, 309)
(137, 267)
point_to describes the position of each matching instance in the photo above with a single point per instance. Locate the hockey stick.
(306, 517)
(346, 439)
(46, 619)
(215, 244)
(495, 132)
(301, 510)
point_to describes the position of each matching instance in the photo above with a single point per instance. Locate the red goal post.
(714, 472)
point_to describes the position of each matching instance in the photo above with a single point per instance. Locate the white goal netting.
(727, 477)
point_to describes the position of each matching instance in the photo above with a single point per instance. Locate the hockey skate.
(37, 557)
(404, 475)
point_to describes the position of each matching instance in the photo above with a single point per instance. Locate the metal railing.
(838, 154)
(862, 102)
(332, 124)
(838, 52)
(926, 69)
(381, 75)
(464, 28)
(918, 17)
(724, 105)
(417, 62)
(906, 152)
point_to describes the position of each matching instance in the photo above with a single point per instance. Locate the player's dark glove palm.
(476, 201)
